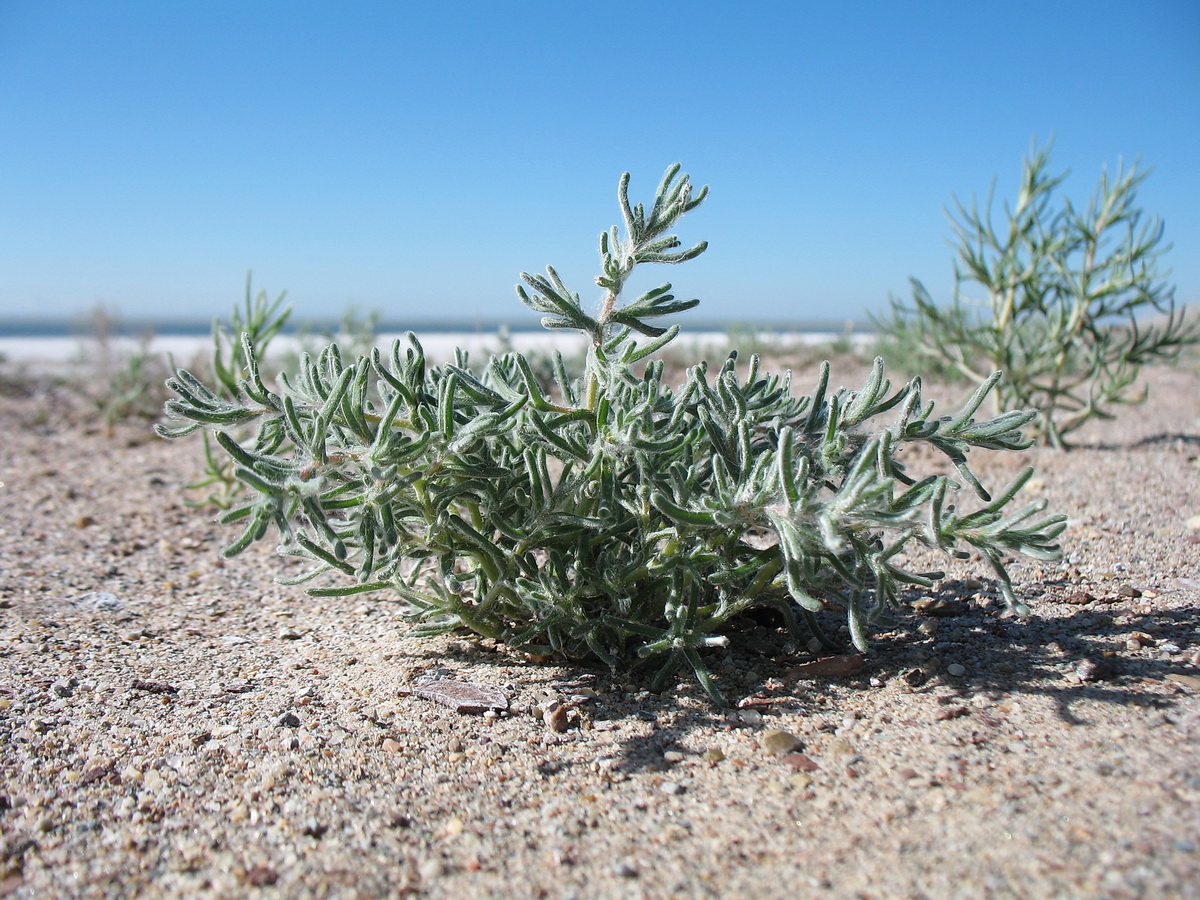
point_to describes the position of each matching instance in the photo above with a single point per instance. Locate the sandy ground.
(172, 724)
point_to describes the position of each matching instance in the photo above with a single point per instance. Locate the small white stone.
(956, 670)
(431, 868)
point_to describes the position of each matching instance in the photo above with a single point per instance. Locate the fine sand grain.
(172, 724)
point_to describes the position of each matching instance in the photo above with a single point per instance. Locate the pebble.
(714, 755)
(950, 712)
(1093, 670)
(956, 670)
(261, 876)
(625, 869)
(801, 761)
(841, 747)
(744, 717)
(429, 869)
(672, 788)
(557, 717)
(100, 601)
(778, 742)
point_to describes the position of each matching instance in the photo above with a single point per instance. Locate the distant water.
(439, 347)
(56, 343)
(137, 326)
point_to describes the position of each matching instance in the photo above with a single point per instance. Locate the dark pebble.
(950, 712)
(261, 876)
(1094, 670)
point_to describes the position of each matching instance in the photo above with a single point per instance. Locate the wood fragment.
(1188, 681)
(826, 667)
(931, 606)
(155, 687)
(92, 774)
(756, 702)
(950, 712)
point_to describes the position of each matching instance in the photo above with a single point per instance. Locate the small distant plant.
(133, 388)
(612, 517)
(357, 333)
(843, 344)
(1072, 302)
(120, 384)
(255, 323)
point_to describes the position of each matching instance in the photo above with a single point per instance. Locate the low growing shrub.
(1072, 302)
(613, 517)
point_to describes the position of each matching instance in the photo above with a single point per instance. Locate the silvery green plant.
(612, 517)
(255, 323)
(1069, 303)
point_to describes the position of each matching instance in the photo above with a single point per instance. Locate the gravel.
(175, 724)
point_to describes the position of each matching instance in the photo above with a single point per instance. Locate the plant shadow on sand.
(1074, 650)
(1164, 440)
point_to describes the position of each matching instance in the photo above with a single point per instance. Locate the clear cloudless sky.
(416, 156)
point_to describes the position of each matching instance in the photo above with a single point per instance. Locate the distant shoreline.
(84, 327)
(55, 352)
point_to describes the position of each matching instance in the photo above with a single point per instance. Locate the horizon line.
(145, 325)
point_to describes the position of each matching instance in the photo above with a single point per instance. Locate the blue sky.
(414, 157)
